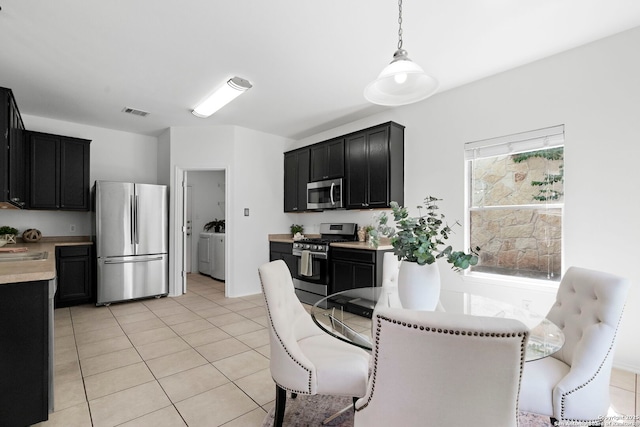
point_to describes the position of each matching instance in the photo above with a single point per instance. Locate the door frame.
(181, 181)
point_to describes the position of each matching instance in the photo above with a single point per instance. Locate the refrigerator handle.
(136, 222)
(132, 216)
(129, 261)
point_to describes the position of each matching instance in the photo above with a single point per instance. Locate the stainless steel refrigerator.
(132, 230)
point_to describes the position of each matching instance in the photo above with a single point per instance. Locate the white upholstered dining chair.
(304, 359)
(442, 369)
(572, 385)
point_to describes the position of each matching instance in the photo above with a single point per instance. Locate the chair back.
(435, 368)
(390, 269)
(588, 309)
(289, 323)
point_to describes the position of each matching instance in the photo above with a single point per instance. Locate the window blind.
(517, 143)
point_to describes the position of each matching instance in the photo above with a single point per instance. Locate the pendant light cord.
(399, 24)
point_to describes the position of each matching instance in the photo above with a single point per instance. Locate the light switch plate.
(246, 211)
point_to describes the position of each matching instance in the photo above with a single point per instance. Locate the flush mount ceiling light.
(402, 81)
(226, 93)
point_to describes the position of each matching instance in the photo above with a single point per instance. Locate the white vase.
(419, 285)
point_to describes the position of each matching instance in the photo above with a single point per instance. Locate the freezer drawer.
(131, 277)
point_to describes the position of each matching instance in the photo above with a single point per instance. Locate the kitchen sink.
(23, 256)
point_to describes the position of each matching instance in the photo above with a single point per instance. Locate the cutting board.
(23, 249)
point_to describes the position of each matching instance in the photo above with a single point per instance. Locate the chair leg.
(281, 401)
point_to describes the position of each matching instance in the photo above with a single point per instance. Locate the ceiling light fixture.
(402, 81)
(226, 93)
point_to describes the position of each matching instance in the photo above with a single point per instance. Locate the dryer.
(217, 270)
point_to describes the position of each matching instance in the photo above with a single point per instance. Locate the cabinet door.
(378, 173)
(335, 158)
(44, 178)
(296, 176)
(17, 173)
(73, 265)
(349, 275)
(357, 171)
(327, 160)
(290, 182)
(24, 352)
(74, 174)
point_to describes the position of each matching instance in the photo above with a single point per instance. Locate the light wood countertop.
(30, 271)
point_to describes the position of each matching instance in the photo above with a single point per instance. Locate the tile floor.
(200, 359)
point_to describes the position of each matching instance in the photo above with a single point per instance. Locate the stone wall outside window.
(517, 234)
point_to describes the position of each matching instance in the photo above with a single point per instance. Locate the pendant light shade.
(401, 82)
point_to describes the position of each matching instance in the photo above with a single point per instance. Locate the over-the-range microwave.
(325, 194)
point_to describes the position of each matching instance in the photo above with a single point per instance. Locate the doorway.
(204, 201)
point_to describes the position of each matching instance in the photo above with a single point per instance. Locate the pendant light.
(402, 81)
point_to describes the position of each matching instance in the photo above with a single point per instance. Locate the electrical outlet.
(526, 304)
(72, 228)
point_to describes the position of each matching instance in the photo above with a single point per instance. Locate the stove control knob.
(306, 246)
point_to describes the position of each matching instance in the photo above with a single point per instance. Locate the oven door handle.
(319, 255)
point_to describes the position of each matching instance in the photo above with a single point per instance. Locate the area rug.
(306, 411)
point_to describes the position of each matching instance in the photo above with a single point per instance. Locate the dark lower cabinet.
(74, 266)
(58, 172)
(24, 353)
(355, 268)
(281, 250)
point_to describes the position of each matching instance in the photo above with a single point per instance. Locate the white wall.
(594, 91)
(115, 155)
(254, 179)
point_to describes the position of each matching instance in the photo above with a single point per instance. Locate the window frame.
(554, 138)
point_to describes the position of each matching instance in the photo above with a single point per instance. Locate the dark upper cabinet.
(58, 172)
(375, 167)
(327, 160)
(296, 176)
(75, 277)
(12, 157)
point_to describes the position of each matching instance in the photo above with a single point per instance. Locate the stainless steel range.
(312, 278)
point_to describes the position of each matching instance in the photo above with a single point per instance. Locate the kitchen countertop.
(30, 271)
(384, 243)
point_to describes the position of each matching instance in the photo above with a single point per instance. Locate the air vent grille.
(135, 112)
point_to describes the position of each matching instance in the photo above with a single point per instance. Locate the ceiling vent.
(135, 112)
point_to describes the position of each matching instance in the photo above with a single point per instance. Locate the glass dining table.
(348, 314)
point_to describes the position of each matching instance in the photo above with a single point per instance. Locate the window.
(515, 200)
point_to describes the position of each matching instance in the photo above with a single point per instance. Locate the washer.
(206, 261)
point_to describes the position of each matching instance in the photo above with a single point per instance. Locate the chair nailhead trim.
(523, 335)
(285, 349)
(565, 395)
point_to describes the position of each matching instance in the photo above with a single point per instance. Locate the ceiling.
(85, 60)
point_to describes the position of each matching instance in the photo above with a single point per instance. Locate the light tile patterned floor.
(200, 359)
(196, 360)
